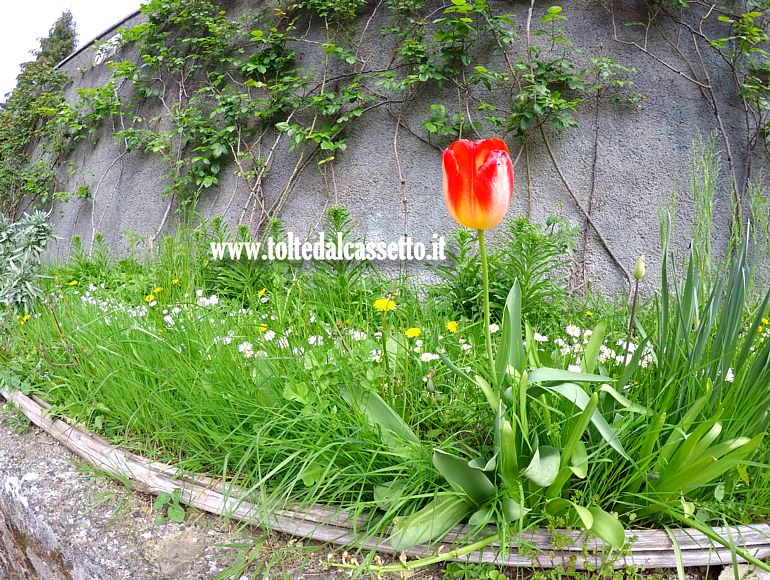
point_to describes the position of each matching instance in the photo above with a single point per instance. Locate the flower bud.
(639, 268)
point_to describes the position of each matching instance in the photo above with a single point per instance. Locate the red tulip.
(478, 182)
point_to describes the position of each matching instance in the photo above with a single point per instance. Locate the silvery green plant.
(21, 244)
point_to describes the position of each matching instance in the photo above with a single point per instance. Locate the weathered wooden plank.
(649, 548)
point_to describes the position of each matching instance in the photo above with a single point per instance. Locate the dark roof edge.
(104, 32)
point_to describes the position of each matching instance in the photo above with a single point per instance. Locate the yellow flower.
(760, 328)
(22, 319)
(412, 332)
(589, 313)
(384, 304)
(451, 326)
(157, 290)
(149, 298)
(262, 327)
(73, 283)
(175, 281)
(262, 292)
(765, 321)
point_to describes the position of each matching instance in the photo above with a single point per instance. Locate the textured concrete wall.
(642, 154)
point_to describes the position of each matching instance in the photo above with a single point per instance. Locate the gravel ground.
(70, 522)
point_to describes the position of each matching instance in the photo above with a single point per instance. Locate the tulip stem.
(485, 281)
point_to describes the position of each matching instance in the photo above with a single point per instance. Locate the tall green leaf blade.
(547, 374)
(592, 349)
(511, 349)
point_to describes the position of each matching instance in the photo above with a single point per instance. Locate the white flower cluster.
(577, 338)
(109, 305)
(212, 300)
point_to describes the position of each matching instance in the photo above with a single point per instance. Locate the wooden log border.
(573, 550)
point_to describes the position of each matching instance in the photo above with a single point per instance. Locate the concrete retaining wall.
(642, 155)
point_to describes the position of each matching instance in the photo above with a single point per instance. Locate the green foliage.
(21, 245)
(168, 506)
(537, 256)
(27, 114)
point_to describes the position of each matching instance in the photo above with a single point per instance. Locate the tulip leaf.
(544, 467)
(579, 461)
(505, 442)
(561, 505)
(592, 349)
(510, 352)
(464, 478)
(431, 522)
(489, 393)
(607, 527)
(625, 403)
(513, 510)
(394, 430)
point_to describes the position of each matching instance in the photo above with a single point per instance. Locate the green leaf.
(546, 374)
(607, 527)
(388, 495)
(161, 501)
(430, 523)
(592, 349)
(313, 474)
(513, 510)
(510, 352)
(489, 393)
(579, 461)
(505, 442)
(394, 430)
(176, 513)
(462, 477)
(544, 467)
(625, 403)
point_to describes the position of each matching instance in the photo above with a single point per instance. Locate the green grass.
(274, 384)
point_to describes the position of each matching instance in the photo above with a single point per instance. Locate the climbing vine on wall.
(211, 93)
(236, 89)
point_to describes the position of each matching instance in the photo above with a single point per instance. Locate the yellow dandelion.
(451, 326)
(765, 321)
(22, 319)
(149, 298)
(262, 292)
(413, 332)
(73, 283)
(589, 313)
(384, 304)
(262, 327)
(157, 290)
(175, 281)
(760, 328)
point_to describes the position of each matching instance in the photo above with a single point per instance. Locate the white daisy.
(572, 331)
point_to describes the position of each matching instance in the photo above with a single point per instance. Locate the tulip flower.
(478, 182)
(478, 186)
